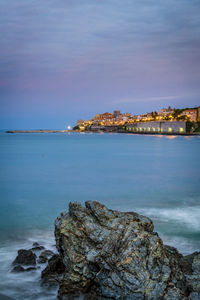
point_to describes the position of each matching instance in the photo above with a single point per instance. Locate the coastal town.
(167, 121)
(171, 121)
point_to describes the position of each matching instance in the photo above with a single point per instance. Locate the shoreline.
(102, 131)
(38, 131)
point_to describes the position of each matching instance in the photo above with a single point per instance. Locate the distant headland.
(38, 131)
(165, 121)
(185, 121)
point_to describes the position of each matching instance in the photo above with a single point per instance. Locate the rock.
(116, 255)
(51, 274)
(43, 258)
(36, 244)
(37, 247)
(30, 269)
(47, 253)
(25, 257)
(191, 264)
(18, 269)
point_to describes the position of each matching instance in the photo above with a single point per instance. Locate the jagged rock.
(25, 257)
(35, 244)
(30, 269)
(37, 247)
(43, 258)
(18, 269)
(116, 255)
(52, 273)
(192, 271)
(47, 253)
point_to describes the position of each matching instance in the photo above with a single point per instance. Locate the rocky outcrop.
(193, 274)
(44, 255)
(116, 255)
(51, 275)
(37, 247)
(31, 257)
(25, 257)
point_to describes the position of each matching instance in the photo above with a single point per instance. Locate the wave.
(178, 227)
(185, 246)
(20, 286)
(187, 216)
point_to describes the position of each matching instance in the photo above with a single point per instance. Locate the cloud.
(146, 99)
(91, 49)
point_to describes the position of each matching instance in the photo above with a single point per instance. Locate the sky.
(64, 60)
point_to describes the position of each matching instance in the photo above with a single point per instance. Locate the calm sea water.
(158, 176)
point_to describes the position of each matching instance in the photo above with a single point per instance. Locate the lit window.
(169, 129)
(149, 129)
(181, 129)
(154, 129)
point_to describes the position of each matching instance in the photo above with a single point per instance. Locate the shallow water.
(40, 174)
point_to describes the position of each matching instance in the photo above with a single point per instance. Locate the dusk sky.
(64, 60)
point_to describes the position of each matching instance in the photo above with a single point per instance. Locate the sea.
(154, 175)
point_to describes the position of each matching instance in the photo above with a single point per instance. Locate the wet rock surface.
(25, 257)
(43, 258)
(115, 255)
(30, 260)
(51, 275)
(19, 268)
(193, 278)
(37, 247)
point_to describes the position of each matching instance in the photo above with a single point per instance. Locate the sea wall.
(177, 127)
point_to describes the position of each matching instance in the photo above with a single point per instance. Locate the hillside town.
(166, 120)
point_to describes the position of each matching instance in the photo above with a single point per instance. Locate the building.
(109, 128)
(198, 114)
(158, 127)
(191, 114)
(105, 116)
(165, 112)
(83, 124)
(116, 113)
